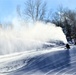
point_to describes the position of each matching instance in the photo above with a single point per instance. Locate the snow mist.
(29, 38)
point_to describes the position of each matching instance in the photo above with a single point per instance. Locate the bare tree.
(0, 25)
(66, 19)
(61, 18)
(58, 16)
(18, 10)
(35, 9)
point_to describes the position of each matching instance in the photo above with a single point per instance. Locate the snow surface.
(51, 61)
(17, 60)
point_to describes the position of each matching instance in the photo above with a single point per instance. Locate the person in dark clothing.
(67, 46)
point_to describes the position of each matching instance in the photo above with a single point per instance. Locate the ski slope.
(17, 60)
(54, 61)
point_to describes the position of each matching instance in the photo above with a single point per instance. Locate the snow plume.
(29, 38)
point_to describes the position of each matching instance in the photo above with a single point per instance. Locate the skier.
(68, 46)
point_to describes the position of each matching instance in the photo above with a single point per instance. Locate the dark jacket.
(67, 46)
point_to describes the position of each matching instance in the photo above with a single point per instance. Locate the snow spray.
(28, 38)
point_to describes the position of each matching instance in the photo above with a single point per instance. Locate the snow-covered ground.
(15, 61)
(51, 61)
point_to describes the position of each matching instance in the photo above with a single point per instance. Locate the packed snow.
(17, 60)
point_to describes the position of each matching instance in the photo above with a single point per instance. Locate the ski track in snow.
(45, 62)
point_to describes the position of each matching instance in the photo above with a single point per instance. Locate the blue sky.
(8, 7)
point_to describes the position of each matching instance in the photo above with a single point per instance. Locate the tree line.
(37, 10)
